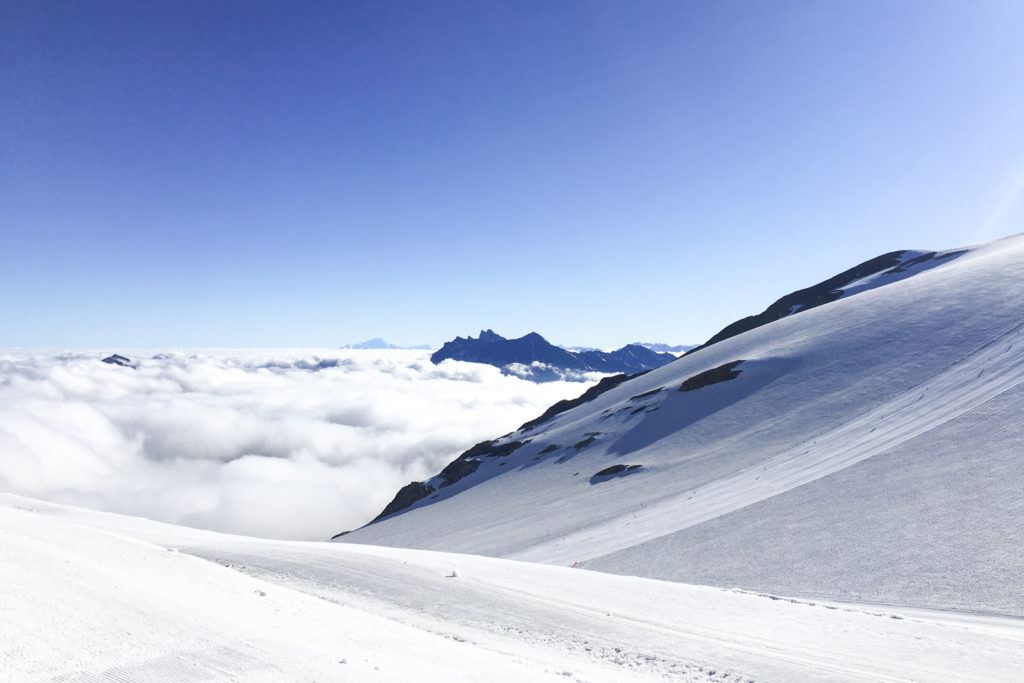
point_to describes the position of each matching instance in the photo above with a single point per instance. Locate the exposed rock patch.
(924, 258)
(584, 443)
(614, 470)
(827, 291)
(406, 496)
(458, 469)
(722, 373)
(652, 392)
(606, 384)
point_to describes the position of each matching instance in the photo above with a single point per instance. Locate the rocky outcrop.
(722, 373)
(407, 495)
(467, 463)
(463, 466)
(831, 289)
(612, 472)
(117, 359)
(606, 384)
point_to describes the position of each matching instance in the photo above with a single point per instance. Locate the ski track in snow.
(473, 610)
(100, 597)
(219, 663)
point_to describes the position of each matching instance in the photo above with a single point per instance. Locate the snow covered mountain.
(533, 357)
(661, 347)
(859, 440)
(379, 343)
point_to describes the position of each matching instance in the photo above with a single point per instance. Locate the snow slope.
(869, 449)
(94, 596)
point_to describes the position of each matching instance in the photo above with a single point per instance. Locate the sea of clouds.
(297, 444)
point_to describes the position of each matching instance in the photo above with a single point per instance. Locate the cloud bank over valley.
(296, 444)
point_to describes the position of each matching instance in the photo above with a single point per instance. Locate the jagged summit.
(492, 336)
(534, 357)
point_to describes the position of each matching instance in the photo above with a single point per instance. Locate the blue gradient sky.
(288, 174)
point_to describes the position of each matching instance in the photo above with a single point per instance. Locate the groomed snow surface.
(93, 596)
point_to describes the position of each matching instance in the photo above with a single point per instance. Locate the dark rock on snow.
(612, 472)
(606, 384)
(615, 469)
(468, 462)
(406, 496)
(463, 466)
(826, 291)
(722, 373)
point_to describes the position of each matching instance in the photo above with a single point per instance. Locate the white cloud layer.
(287, 444)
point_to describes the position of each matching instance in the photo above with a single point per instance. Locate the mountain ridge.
(533, 357)
(896, 397)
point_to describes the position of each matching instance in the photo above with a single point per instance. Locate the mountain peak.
(118, 359)
(490, 336)
(377, 343)
(534, 357)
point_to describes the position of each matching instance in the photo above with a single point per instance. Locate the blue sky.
(312, 174)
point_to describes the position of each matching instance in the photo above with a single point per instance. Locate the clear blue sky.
(208, 173)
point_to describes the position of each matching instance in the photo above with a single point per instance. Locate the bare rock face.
(117, 359)
(406, 496)
(612, 472)
(831, 289)
(723, 373)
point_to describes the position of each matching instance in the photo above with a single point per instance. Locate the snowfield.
(94, 596)
(869, 450)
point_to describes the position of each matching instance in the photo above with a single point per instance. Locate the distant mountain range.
(665, 348)
(378, 343)
(533, 357)
(678, 349)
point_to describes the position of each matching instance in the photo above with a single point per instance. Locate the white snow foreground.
(93, 596)
(869, 450)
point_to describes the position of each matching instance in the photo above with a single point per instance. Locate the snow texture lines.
(989, 371)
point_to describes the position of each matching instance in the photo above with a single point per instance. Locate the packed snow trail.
(100, 597)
